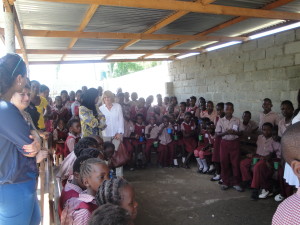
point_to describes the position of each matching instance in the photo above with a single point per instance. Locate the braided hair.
(109, 191)
(87, 166)
(86, 142)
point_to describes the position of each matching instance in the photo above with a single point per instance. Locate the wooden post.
(9, 32)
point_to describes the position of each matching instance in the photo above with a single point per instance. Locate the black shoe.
(254, 195)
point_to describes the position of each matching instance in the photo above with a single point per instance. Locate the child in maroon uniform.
(128, 132)
(188, 129)
(74, 135)
(151, 131)
(139, 141)
(216, 152)
(228, 128)
(60, 135)
(183, 110)
(178, 145)
(59, 111)
(165, 149)
(192, 108)
(139, 109)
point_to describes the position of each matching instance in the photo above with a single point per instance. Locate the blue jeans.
(19, 204)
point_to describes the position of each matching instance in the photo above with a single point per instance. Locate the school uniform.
(165, 149)
(211, 116)
(207, 139)
(60, 135)
(149, 142)
(261, 172)
(70, 144)
(270, 117)
(282, 126)
(190, 143)
(252, 125)
(83, 211)
(136, 110)
(192, 110)
(127, 139)
(66, 168)
(69, 191)
(288, 211)
(139, 130)
(217, 142)
(75, 108)
(229, 150)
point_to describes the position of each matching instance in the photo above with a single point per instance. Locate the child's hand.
(32, 149)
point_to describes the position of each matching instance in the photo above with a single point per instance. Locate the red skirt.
(190, 144)
(60, 148)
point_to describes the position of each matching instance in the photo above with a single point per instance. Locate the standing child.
(248, 126)
(188, 129)
(183, 110)
(93, 172)
(73, 137)
(262, 170)
(60, 135)
(59, 111)
(139, 141)
(210, 113)
(178, 145)
(192, 108)
(151, 131)
(267, 116)
(128, 132)
(288, 211)
(228, 128)
(165, 149)
(216, 152)
(75, 105)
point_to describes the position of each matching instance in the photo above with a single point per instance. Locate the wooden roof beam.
(18, 32)
(272, 5)
(109, 35)
(191, 7)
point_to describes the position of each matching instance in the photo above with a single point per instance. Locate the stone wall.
(244, 74)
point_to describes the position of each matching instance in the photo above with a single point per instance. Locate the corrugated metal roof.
(244, 3)
(193, 44)
(44, 57)
(293, 6)
(99, 44)
(46, 43)
(149, 44)
(83, 57)
(124, 19)
(193, 23)
(49, 15)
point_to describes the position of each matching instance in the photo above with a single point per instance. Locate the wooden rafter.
(206, 2)
(191, 7)
(273, 5)
(96, 61)
(162, 23)
(109, 35)
(104, 52)
(86, 19)
(18, 31)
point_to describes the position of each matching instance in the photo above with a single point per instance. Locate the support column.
(9, 30)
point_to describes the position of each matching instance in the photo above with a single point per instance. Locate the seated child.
(128, 132)
(73, 187)
(182, 111)
(165, 149)
(92, 172)
(60, 135)
(66, 168)
(118, 191)
(188, 129)
(151, 131)
(210, 113)
(75, 105)
(205, 145)
(192, 108)
(263, 169)
(74, 135)
(177, 141)
(288, 211)
(110, 214)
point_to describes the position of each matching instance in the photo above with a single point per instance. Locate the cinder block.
(265, 42)
(277, 74)
(249, 46)
(249, 66)
(285, 37)
(294, 83)
(259, 75)
(291, 48)
(298, 34)
(297, 59)
(274, 51)
(293, 71)
(265, 64)
(257, 54)
(279, 85)
(283, 61)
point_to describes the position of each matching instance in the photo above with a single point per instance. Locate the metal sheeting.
(193, 44)
(83, 57)
(124, 19)
(293, 6)
(99, 44)
(193, 23)
(244, 3)
(44, 57)
(49, 15)
(46, 43)
(149, 45)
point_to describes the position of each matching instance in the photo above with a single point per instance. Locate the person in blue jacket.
(18, 148)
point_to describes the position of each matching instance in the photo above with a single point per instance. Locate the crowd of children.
(236, 153)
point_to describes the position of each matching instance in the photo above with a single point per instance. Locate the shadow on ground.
(173, 196)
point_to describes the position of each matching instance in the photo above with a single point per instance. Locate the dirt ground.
(176, 196)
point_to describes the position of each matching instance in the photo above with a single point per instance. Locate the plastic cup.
(200, 137)
(175, 137)
(141, 139)
(155, 144)
(169, 131)
(255, 160)
(276, 165)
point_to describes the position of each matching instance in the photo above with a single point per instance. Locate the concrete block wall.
(244, 74)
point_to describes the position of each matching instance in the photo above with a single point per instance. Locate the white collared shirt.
(114, 120)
